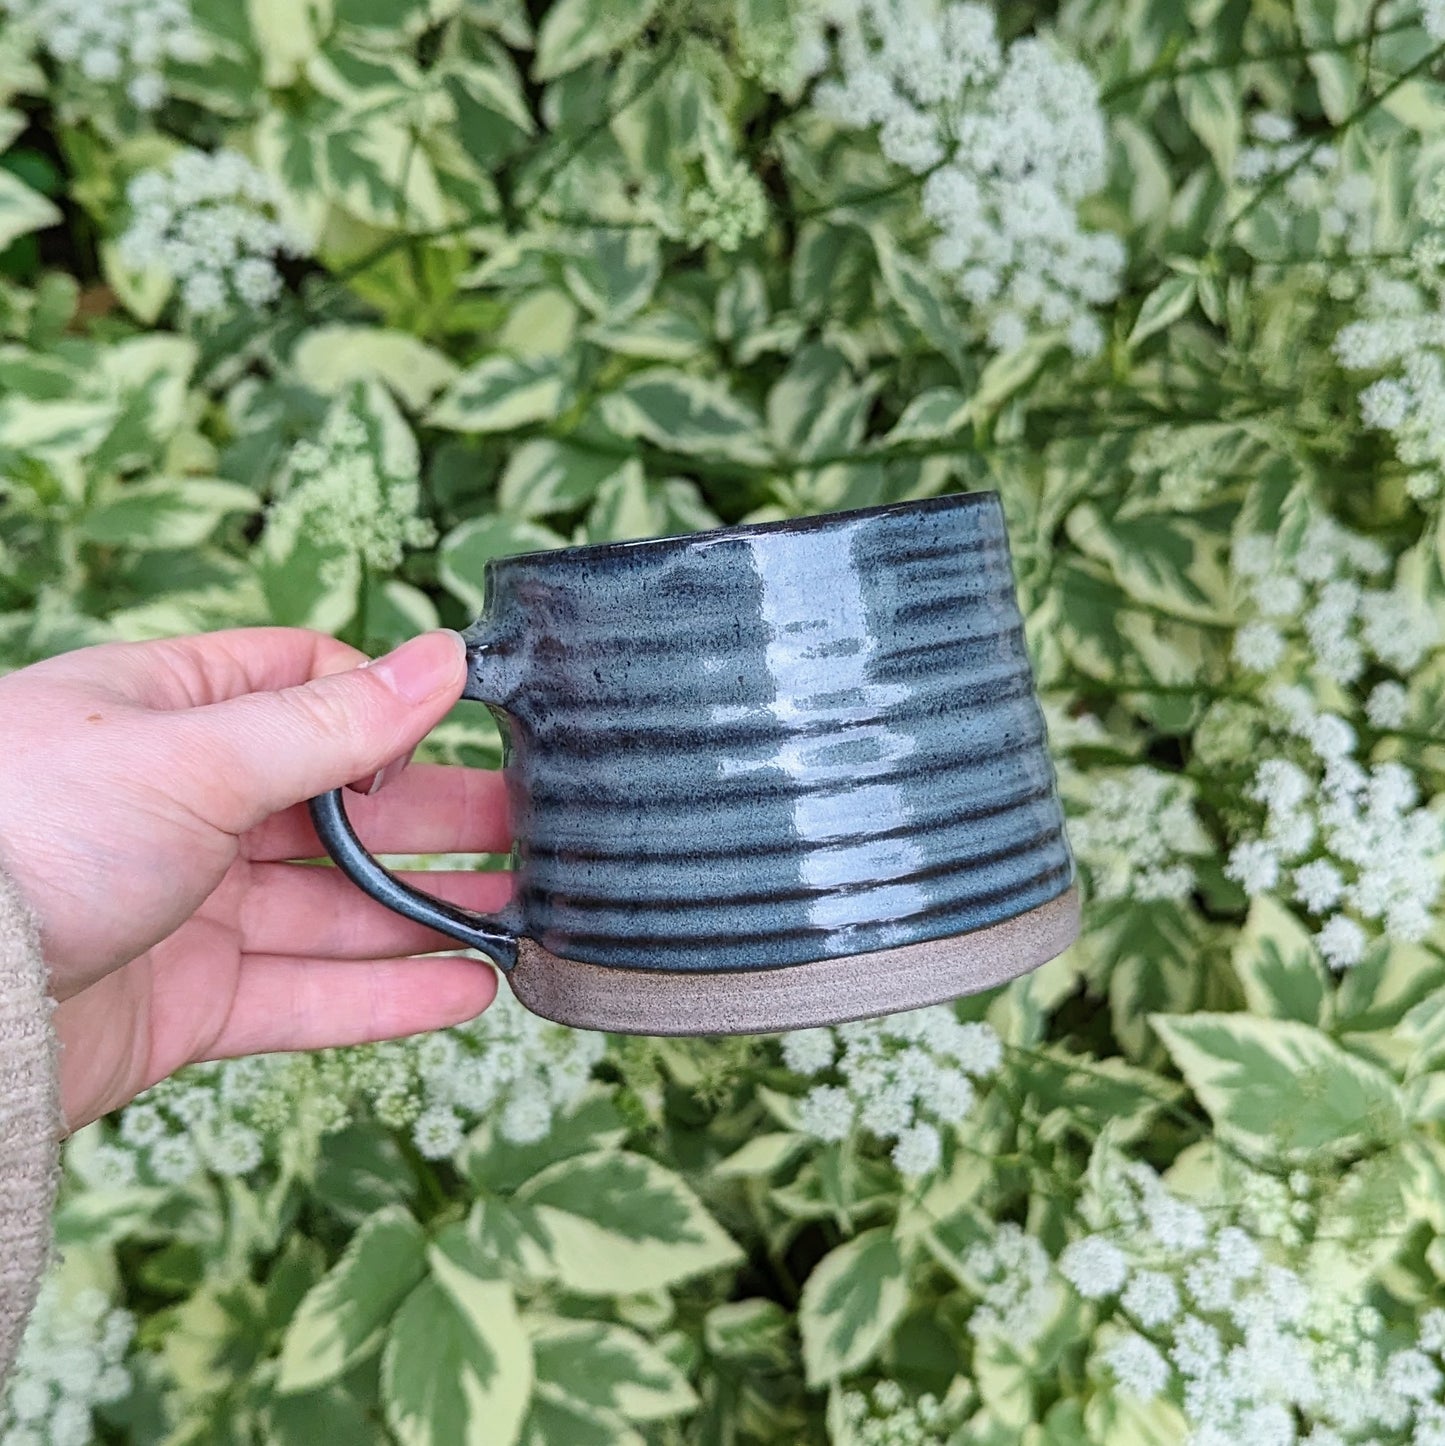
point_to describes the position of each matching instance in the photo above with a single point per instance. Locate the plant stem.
(431, 1186)
(1366, 107)
(1140, 79)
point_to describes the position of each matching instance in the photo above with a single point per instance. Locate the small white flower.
(976, 1049)
(174, 1161)
(1278, 595)
(437, 1132)
(1341, 942)
(809, 1051)
(1175, 1224)
(1254, 866)
(1094, 1266)
(918, 1151)
(950, 1095)
(1389, 703)
(1330, 736)
(30, 1399)
(526, 1119)
(70, 1424)
(142, 1125)
(233, 1149)
(1413, 1375)
(1319, 885)
(1258, 646)
(1137, 1366)
(1252, 554)
(1396, 630)
(827, 1112)
(349, 495)
(1238, 1255)
(1151, 1297)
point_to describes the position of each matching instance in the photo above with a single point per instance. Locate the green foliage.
(596, 270)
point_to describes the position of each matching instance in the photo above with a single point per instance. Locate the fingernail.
(422, 667)
(382, 776)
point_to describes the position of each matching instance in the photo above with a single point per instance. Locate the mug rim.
(708, 537)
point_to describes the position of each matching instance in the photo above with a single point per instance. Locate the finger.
(382, 776)
(320, 913)
(266, 751)
(207, 668)
(433, 808)
(284, 1003)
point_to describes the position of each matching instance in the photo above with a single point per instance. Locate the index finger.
(203, 668)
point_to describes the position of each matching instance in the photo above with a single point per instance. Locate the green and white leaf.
(22, 210)
(329, 358)
(609, 1368)
(466, 550)
(342, 1318)
(457, 1370)
(620, 1223)
(501, 393)
(852, 1300)
(1279, 966)
(683, 413)
(1280, 1090)
(165, 512)
(576, 31)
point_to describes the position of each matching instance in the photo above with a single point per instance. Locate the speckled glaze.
(752, 748)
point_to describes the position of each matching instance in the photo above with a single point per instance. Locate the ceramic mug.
(764, 777)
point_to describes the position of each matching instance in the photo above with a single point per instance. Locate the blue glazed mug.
(761, 778)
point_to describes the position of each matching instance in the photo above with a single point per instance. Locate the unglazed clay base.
(800, 996)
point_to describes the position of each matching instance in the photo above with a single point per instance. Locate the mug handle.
(338, 838)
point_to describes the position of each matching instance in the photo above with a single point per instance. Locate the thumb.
(269, 750)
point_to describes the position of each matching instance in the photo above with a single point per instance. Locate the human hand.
(152, 802)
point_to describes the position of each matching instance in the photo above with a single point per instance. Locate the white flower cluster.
(1341, 202)
(1184, 464)
(1432, 16)
(351, 491)
(1401, 334)
(886, 1417)
(508, 1065)
(228, 1116)
(1014, 1280)
(1137, 835)
(71, 1360)
(1285, 1210)
(728, 209)
(1227, 733)
(216, 1117)
(786, 50)
(903, 1078)
(1351, 844)
(1011, 140)
(209, 221)
(113, 42)
(1316, 606)
(1248, 1347)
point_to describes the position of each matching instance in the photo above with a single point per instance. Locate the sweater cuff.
(31, 1123)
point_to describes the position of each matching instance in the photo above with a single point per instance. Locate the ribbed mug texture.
(762, 746)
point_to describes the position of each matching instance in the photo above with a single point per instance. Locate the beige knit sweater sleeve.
(31, 1126)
